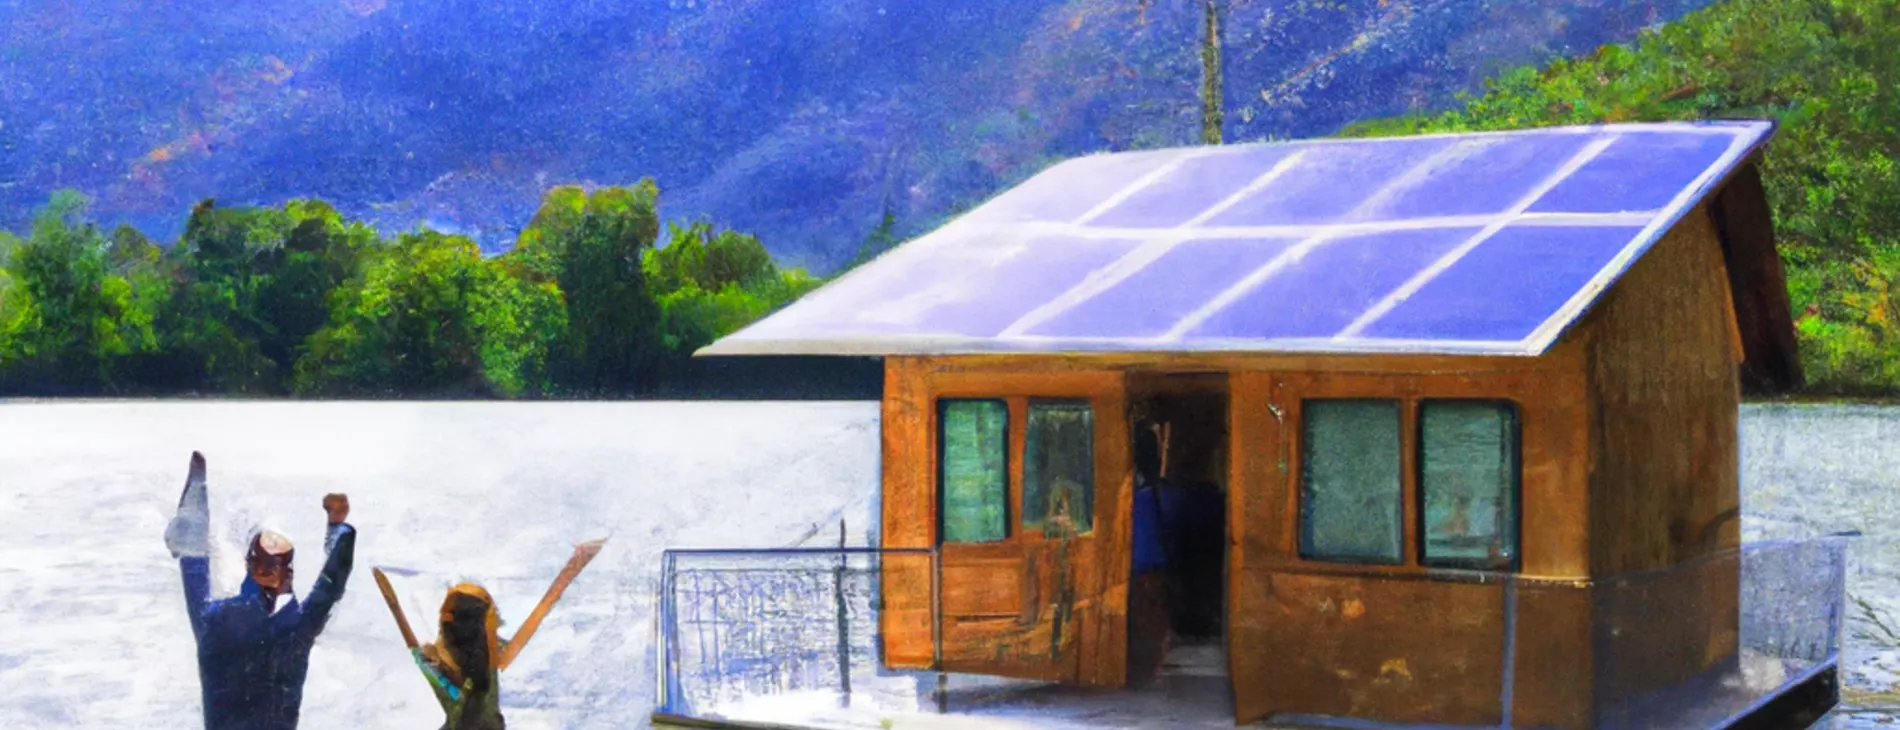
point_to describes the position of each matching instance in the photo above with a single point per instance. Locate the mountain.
(796, 121)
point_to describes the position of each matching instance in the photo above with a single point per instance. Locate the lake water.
(94, 632)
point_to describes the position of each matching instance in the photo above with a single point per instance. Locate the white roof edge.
(899, 345)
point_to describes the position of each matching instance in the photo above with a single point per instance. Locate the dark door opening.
(1188, 417)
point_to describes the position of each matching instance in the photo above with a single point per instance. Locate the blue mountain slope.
(798, 121)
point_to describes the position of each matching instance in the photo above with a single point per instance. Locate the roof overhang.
(1469, 244)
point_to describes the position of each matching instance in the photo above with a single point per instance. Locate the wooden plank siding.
(1387, 642)
(1665, 389)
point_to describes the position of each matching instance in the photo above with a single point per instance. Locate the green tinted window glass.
(1059, 465)
(1468, 479)
(1350, 488)
(974, 447)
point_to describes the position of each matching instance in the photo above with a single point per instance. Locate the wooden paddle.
(395, 607)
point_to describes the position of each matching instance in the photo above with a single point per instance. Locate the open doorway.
(1179, 629)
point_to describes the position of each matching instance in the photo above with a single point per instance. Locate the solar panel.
(1473, 243)
(1309, 300)
(1486, 295)
(1152, 299)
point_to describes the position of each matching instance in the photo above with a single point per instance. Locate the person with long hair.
(464, 663)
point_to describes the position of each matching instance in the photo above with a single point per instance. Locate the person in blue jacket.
(254, 648)
(1149, 631)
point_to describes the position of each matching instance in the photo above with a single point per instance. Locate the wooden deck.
(1190, 697)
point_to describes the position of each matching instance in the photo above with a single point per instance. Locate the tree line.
(299, 301)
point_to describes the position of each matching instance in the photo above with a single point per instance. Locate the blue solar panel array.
(1475, 243)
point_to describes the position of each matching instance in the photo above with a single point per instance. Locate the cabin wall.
(1663, 357)
(1389, 642)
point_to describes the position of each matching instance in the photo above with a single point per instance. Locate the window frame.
(1515, 490)
(1010, 516)
(1100, 391)
(1410, 399)
(1029, 404)
(1300, 487)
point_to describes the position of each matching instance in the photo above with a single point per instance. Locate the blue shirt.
(1149, 555)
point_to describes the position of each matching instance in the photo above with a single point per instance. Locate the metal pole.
(844, 622)
(1510, 648)
(936, 629)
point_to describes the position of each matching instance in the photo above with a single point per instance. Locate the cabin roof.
(1483, 243)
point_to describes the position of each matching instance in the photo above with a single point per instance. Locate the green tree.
(211, 323)
(710, 284)
(711, 260)
(520, 321)
(694, 317)
(254, 287)
(67, 319)
(130, 251)
(592, 246)
(431, 316)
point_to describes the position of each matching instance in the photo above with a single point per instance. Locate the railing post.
(669, 577)
(844, 621)
(936, 629)
(660, 646)
(1510, 649)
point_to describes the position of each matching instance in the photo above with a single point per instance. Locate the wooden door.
(1034, 550)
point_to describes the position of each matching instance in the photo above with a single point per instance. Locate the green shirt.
(485, 711)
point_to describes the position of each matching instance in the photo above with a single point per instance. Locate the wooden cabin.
(1410, 367)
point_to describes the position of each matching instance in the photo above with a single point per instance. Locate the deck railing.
(794, 633)
(763, 633)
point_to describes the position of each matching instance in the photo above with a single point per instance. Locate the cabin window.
(1351, 481)
(1059, 466)
(1468, 483)
(973, 443)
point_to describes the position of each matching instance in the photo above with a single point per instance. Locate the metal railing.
(742, 632)
(796, 633)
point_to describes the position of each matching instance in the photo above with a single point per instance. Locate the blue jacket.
(1150, 552)
(251, 663)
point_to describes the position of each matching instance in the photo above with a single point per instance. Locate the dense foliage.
(299, 301)
(1825, 70)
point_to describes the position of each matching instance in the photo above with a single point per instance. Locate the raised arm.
(583, 554)
(395, 608)
(188, 537)
(330, 584)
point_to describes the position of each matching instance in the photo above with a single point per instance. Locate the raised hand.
(188, 535)
(337, 507)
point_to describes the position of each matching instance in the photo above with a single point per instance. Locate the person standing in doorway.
(1150, 631)
(254, 648)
